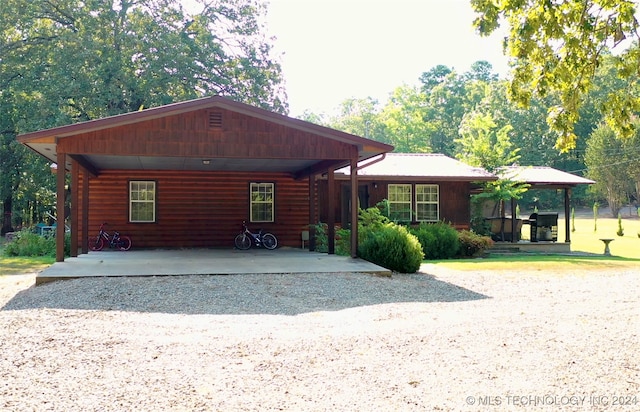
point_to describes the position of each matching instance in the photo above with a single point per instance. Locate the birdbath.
(606, 242)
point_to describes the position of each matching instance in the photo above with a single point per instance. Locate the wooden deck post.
(514, 229)
(312, 213)
(354, 208)
(331, 212)
(60, 193)
(85, 211)
(75, 183)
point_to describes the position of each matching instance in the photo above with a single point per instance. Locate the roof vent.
(215, 120)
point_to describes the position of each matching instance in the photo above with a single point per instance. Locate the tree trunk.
(6, 222)
(614, 201)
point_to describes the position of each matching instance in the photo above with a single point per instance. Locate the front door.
(345, 203)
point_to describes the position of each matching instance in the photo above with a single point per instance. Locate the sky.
(333, 50)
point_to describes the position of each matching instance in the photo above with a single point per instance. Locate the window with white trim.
(427, 200)
(399, 202)
(142, 201)
(262, 202)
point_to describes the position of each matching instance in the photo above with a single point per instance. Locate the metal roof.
(542, 176)
(434, 166)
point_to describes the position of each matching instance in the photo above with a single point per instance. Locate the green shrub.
(620, 231)
(479, 224)
(473, 244)
(438, 240)
(391, 246)
(367, 218)
(372, 216)
(320, 230)
(27, 243)
(343, 242)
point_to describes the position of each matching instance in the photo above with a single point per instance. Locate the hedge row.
(400, 248)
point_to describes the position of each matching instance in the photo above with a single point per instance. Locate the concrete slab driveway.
(176, 262)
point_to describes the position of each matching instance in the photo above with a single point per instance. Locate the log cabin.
(418, 187)
(187, 174)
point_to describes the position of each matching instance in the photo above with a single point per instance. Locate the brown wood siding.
(195, 209)
(189, 134)
(455, 203)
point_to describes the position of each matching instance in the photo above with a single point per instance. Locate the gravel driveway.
(437, 340)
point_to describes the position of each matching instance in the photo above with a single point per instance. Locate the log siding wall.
(454, 197)
(188, 134)
(196, 209)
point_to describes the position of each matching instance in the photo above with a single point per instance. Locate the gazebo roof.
(542, 176)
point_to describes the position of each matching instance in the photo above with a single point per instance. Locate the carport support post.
(75, 182)
(331, 212)
(354, 208)
(85, 211)
(312, 213)
(60, 192)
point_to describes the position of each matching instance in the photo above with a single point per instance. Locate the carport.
(186, 175)
(183, 262)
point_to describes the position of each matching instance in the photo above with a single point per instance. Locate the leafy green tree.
(445, 107)
(607, 165)
(403, 118)
(557, 46)
(533, 136)
(360, 117)
(449, 96)
(630, 161)
(484, 144)
(68, 61)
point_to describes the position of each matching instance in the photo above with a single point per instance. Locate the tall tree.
(360, 117)
(69, 60)
(632, 160)
(608, 161)
(446, 93)
(556, 47)
(484, 144)
(449, 96)
(403, 117)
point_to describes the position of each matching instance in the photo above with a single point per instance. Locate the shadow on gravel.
(273, 294)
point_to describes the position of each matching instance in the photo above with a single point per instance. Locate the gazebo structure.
(542, 177)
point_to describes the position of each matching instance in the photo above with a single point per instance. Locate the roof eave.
(420, 178)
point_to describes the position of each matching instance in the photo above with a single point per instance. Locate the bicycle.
(115, 241)
(244, 240)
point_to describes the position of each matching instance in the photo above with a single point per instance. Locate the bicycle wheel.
(96, 243)
(124, 243)
(243, 242)
(269, 241)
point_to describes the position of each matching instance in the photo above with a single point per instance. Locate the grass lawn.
(17, 265)
(625, 250)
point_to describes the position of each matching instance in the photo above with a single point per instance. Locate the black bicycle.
(115, 241)
(246, 238)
